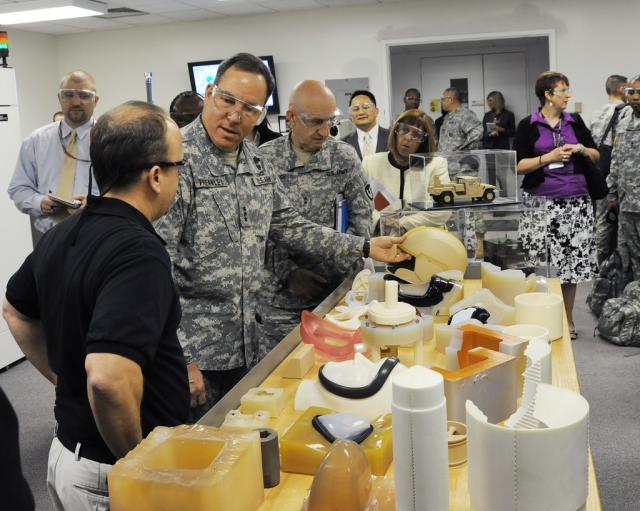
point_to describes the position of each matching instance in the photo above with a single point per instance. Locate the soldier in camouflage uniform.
(228, 202)
(314, 170)
(461, 131)
(624, 181)
(606, 230)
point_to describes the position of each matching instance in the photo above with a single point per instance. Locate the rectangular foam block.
(302, 448)
(189, 467)
(237, 421)
(266, 398)
(300, 362)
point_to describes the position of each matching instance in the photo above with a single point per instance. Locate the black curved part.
(479, 313)
(319, 427)
(432, 296)
(360, 392)
(409, 264)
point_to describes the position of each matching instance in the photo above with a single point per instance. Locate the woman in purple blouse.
(551, 147)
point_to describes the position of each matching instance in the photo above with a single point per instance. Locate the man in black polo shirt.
(95, 310)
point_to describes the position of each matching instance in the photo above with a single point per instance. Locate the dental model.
(506, 284)
(330, 340)
(500, 312)
(541, 464)
(189, 467)
(344, 482)
(357, 386)
(420, 441)
(433, 250)
(393, 324)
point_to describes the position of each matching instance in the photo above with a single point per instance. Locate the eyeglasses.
(412, 132)
(412, 98)
(630, 91)
(444, 98)
(565, 91)
(86, 96)
(229, 103)
(365, 107)
(163, 164)
(308, 121)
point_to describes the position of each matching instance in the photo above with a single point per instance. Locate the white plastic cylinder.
(420, 451)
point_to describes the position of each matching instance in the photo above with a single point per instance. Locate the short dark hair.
(614, 82)
(412, 90)
(250, 63)
(124, 141)
(546, 82)
(183, 95)
(363, 93)
(455, 92)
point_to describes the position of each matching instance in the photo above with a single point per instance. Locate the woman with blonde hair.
(411, 133)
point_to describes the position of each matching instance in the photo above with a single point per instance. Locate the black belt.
(97, 453)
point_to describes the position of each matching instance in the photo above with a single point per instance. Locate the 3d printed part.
(529, 332)
(440, 294)
(355, 374)
(237, 421)
(302, 448)
(359, 288)
(541, 468)
(376, 287)
(420, 441)
(342, 426)
(330, 340)
(444, 333)
(457, 442)
(392, 324)
(270, 457)
(485, 376)
(347, 317)
(543, 309)
(364, 392)
(343, 482)
(300, 362)
(506, 284)
(464, 315)
(190, 467)
(433, 250)
(263, 398)
(500, 312)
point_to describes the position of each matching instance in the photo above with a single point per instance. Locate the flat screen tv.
(204, 72)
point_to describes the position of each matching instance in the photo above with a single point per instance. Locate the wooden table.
(291, 491)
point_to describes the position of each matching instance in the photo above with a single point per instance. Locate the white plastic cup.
(542, 309)
(529, 332)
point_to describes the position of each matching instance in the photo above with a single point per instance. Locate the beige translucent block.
(302, 448)
(189, 467)
(237, 421)
(506, 284)
(300, 362)
(268, 399)
(344, 482)
(501, 313)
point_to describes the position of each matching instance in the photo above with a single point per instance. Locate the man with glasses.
(95, 310)
(370, 137)
(624, 180)
(461, 129)
(412, 99)
(319, 174)
(54, 159)
(229, 201)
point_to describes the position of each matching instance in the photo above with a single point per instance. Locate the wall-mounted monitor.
(204, 72)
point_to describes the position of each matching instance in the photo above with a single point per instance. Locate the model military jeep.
(464, 187)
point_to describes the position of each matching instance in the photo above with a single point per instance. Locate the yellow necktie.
(67, 177)
(367, 146)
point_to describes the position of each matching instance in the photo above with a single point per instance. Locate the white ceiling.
(170, 11)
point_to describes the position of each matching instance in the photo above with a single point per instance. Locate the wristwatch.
(366, 248)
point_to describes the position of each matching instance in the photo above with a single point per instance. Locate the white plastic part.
(531, 469)
(445, 333)
(420, 450)
(376, 287)
(391, 312)
(544, 309)
(501, 313)
(348, 317)
(268, 399)
(506, 284)
(351, 373)
(237, 421)
(529, 332)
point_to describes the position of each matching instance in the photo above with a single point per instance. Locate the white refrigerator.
(15, 231)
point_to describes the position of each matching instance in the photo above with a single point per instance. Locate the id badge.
(556, 165)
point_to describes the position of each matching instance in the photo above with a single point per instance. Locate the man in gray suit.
(369, 137)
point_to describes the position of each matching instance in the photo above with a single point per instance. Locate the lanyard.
(64, 148)
(558, 138)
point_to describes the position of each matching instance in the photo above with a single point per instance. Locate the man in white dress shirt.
(369, 138)
(54, 159)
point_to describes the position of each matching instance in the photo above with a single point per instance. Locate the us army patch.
(212, 182)
(264, 179)
(368, 191)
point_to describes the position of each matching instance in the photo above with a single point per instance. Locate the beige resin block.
(238, 421)
(267, 398)
(300, 362)
(193, 468)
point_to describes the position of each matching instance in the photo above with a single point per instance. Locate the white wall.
(348, 42)
(34, 56)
